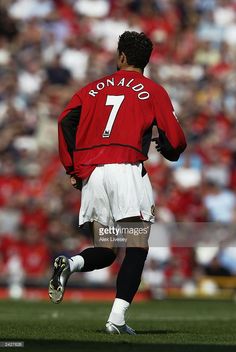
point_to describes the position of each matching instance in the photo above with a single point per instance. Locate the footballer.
(104, 136)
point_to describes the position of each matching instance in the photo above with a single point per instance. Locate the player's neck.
(132, 68)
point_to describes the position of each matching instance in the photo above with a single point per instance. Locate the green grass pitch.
(162, 326)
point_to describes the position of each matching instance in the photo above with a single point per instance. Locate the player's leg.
(89, 259)
(93, 258)
(132, 207)
(129, 276)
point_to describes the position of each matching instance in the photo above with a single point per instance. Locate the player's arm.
(67, 126)
(171, 142)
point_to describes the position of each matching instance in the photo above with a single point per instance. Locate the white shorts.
(114, 192)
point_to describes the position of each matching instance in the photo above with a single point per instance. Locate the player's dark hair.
(137, 48)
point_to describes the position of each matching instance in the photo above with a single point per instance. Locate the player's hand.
(157, 146)
(76, 182)
(165, 150)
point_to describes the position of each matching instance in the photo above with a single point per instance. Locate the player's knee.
(106, 245)
(137, 254)
(97, 258)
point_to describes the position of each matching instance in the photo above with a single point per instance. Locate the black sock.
(130, 273)
(97, 258)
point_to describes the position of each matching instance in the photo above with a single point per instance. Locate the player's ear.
(121, 61)
(123, 58)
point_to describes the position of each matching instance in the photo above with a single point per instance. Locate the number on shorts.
(115, 101)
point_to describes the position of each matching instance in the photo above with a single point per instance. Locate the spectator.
(58, 74)
(220, 203)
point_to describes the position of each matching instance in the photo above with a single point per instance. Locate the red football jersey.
(110, 121)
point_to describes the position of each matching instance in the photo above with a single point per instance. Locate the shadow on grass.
(148, 332)
(122, 346)
(156, 332)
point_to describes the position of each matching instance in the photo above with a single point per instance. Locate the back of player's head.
(137, 48)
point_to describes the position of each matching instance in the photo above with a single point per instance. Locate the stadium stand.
(51, 48)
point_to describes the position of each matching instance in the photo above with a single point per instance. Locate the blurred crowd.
(51, 48)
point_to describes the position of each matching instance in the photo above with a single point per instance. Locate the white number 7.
(115, 101)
